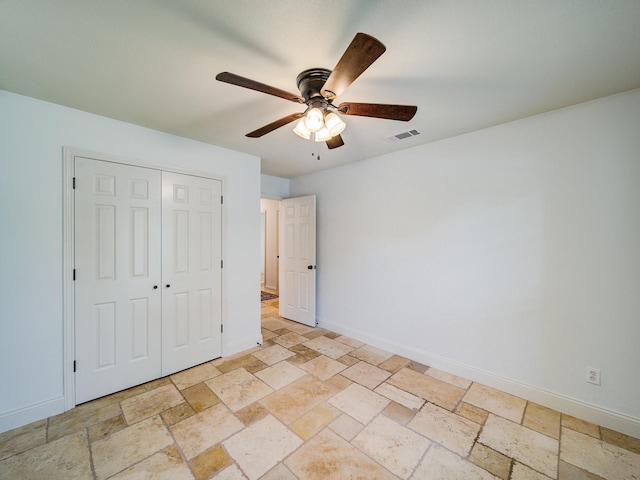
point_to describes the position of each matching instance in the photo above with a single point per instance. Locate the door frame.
(68, 256)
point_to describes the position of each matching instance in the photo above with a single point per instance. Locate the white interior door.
(298, 259)
(191, 271)
(117, 266)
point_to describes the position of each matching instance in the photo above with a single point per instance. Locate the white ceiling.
(467, 65)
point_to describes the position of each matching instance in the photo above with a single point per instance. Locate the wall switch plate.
(593, 375)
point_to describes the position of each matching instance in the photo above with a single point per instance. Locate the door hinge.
(221, 263)
(221, 328)
(74, 274)
(74, 183)
(221, 200)
(74, 366)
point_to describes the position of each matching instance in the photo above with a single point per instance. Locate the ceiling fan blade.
(379, 110)
(359, 55)
(274, 125)
(335, 142)
(234, 79)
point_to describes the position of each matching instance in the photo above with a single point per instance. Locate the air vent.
(403, 135)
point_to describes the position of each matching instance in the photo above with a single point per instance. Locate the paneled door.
(117, 266)
(148, 274)
(298, 259)
(191, 271)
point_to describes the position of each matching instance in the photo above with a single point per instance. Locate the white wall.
(32, 134)
(274, 187)
(510, 256)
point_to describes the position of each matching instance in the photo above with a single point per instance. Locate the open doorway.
(269, 217)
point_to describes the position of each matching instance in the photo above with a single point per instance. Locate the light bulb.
(334, 123)
(314, 120)
(301, 130)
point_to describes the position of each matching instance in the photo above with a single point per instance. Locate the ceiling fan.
(319, 87)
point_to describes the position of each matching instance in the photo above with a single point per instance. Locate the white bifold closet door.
(148, 274)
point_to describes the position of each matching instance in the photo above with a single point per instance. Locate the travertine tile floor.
(311, 404)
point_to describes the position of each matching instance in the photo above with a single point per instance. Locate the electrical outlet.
(593, 375)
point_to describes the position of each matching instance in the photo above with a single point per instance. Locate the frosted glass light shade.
(322, 135)
(314, 120)
(334, 123)
(301, 130)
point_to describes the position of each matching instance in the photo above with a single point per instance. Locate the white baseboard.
(31, 413)
(577, 408)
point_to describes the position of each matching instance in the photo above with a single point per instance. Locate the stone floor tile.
(542, 419)
(394, 363)
(339, 382)
(64, 459)
(122, 449)
(252, 413)
(318, 332)
(441, 464)
(177, 414)
(448, 429)
(259, 447)
(323, 367)
(359, 402)
(527, 446)
(209, 462)
(428, 388)
(398, 395)
(417, 367)
(89, 414)
(279, 472)
(620, 440)
(150, 403)
(522, 472)
(165, 465)
(238, 388)
(204, 430)
(290, 339)
(200, 397)
(297, 398)
(280, 374)
(449, 378)
(398, 413)
(346, 426)
(23, 438)
(393, 446)
(372, 355)
(598, 457)
(315, 420)
(232, 472)
(302, 354)
(348, 360)
(581, 426)
(267, 334)
(366, 374)
(274, 354)
(349, 341)
(328, 347)
(495, 401)
(329, 457)
(305, 330)
(566, 471)
(273, 323)
(106, 428)
(471, 412)
(492, 461)
(194, 375)
(240, 362)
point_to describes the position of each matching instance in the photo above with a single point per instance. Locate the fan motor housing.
(311, 81)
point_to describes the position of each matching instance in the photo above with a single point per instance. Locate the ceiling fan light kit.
(319, 86)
